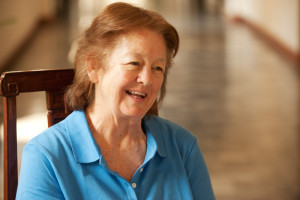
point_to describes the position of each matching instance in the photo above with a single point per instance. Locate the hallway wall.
(278, 18)
(18, 19)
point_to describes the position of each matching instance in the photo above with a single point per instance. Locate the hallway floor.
(230, 88)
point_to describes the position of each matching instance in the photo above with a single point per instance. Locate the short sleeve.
(37, 177)
(198, 175)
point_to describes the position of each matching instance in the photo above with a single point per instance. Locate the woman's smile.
(136, 94)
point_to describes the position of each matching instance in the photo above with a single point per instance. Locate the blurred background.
(235, 83)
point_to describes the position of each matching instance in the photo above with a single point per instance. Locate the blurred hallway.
(228, 86)
(241, 99)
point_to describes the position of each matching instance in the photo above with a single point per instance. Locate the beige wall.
(18, 18)
(279, 18)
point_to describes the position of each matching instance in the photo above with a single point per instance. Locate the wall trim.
(269, 38)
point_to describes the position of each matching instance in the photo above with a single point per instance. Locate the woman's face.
(129, 83)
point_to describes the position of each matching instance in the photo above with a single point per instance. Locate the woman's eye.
(158, 68)
(134, 63)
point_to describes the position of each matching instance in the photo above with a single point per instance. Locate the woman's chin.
(136, 113)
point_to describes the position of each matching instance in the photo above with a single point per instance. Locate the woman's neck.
(122, 141)
(113, 129)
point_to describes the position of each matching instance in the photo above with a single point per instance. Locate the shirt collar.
(154, 135)
(85, 148)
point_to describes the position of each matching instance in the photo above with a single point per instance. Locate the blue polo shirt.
(65, 162)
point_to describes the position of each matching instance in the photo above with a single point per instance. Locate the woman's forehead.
(141, 43)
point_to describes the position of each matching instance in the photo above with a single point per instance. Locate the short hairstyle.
(99, 39)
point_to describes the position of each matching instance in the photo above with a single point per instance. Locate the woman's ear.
(92, 70)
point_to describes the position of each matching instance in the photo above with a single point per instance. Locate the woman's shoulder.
(171, 138)
(51, 138)
(57, 134)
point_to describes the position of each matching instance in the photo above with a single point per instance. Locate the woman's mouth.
(135, 94)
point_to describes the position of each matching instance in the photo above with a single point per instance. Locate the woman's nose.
(145, 76)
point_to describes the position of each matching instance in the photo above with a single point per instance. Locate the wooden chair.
(54, 83)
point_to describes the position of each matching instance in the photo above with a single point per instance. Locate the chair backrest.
(54, 83)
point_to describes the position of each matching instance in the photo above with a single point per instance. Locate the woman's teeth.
(136, 94)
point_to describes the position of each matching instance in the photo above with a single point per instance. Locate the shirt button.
(141, 170)
(133, 185)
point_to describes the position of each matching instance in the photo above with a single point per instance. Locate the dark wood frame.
(54, 83)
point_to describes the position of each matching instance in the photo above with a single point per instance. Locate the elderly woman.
(113, 146)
